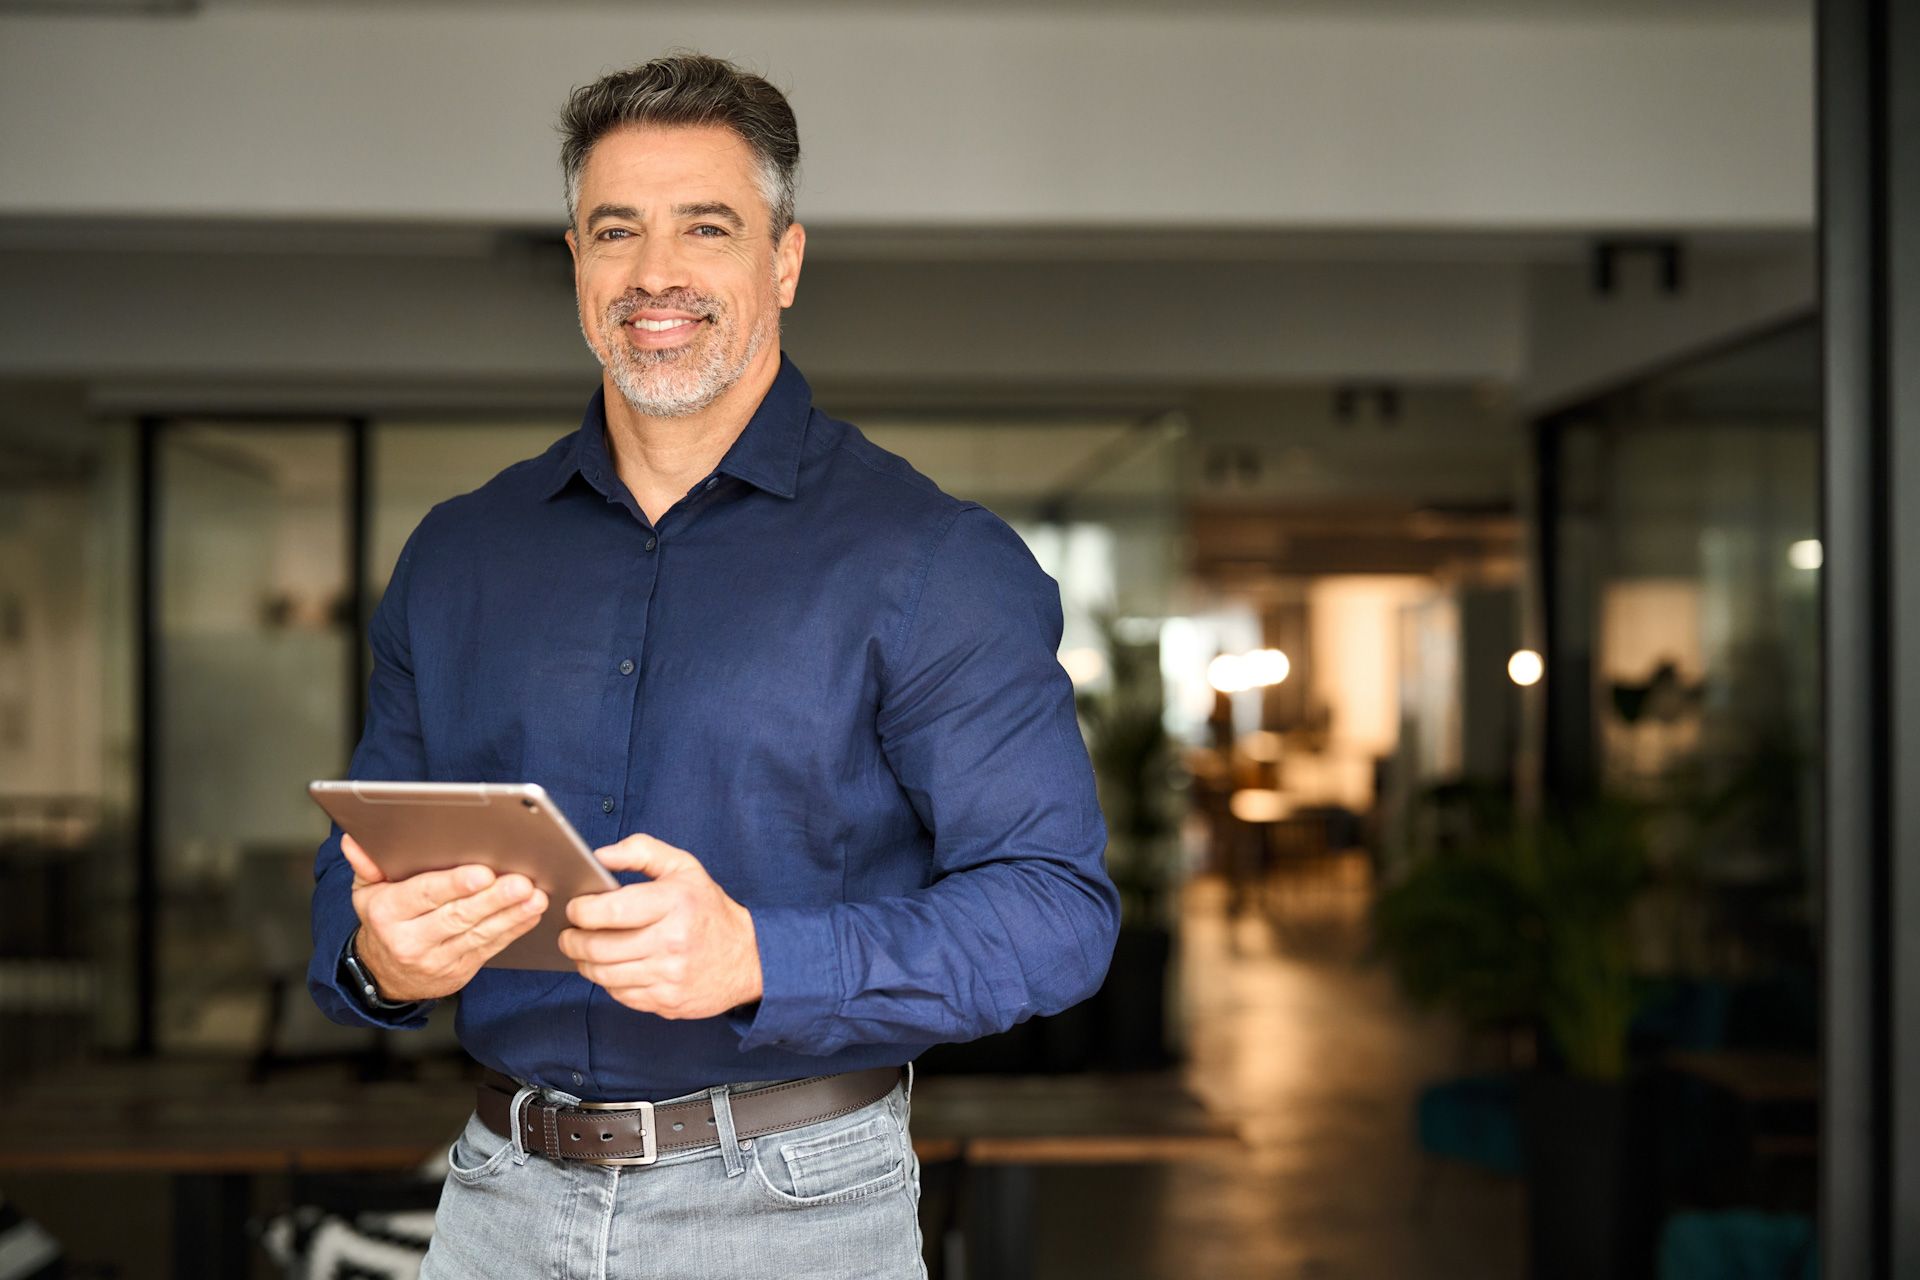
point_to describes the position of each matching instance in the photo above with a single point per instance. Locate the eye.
(708, 226)
(612, 232)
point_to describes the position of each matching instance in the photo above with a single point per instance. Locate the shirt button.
(606, 804)
(578, 1078)
(626, 666)
(652, 543)
(713, 481)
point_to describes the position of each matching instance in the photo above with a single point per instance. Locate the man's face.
(679, 281)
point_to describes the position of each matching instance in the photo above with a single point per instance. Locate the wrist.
(753, 980)
(364, 977)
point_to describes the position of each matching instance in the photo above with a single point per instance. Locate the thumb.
(650, 857)
(364, 872)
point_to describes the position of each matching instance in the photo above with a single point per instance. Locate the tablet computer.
(410, 827)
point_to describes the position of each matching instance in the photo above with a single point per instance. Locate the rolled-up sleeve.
(977, 723)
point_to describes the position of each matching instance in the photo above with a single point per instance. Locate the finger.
(650, 972)
(610, 946)
(427, 892)
(364, 870)
(491, 935)
(633, 906)
(661, 1001)
(450, 919)
(643, 853)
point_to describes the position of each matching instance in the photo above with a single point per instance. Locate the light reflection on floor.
(1289, 1028)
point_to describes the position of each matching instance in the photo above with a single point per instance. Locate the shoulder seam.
(918, 590)
(841, 446)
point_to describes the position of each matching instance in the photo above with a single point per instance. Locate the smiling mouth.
(665, 326)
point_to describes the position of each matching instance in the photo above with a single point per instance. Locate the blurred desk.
(211, 1130)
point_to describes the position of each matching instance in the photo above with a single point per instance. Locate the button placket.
(642, 586)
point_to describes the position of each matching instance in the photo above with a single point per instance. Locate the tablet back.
(410, 827)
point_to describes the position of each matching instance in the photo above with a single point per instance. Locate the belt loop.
(723, 1123)
(909, 1084)
(521, 1098)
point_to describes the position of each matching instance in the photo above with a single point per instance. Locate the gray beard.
(674, 384)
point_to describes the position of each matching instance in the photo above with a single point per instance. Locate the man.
(807, 705)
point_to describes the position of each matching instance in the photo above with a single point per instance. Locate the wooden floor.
(1290, 1031)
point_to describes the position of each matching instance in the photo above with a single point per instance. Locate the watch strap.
(353, 973)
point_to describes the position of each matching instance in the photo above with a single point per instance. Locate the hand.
(427, 935)
(676, 945)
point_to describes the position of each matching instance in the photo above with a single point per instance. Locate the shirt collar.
(766, 454)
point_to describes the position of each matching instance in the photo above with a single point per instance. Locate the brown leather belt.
(627, 1133)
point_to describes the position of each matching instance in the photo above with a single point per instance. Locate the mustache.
(697, 304)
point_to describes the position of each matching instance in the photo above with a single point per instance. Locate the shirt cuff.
(340, 1000)
(799, 981)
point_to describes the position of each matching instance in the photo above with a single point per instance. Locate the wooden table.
(211, 1131)
(999, 1129)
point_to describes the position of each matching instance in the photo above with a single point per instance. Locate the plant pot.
(1131, 1009)
(1592, 1202)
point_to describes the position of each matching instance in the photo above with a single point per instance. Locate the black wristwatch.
(354, 976)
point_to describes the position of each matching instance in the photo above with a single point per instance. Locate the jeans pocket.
(477, 1153)
(862, 1156)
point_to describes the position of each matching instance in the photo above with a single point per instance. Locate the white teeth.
(659, 326)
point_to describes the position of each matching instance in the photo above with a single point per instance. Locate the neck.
(660, 459)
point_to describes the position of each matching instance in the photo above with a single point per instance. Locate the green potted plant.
(1530, 924)
(1133, 764)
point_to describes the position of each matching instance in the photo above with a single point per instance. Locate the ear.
(573, 249)
(788, 253)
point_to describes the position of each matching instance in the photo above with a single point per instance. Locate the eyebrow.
(702, 209)
(603, 212)
(711, 209)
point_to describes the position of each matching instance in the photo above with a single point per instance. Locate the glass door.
(254, 666)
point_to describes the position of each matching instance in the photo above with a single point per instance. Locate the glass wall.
(1687, 592)
(259, 647)
(254, 623)
(67, 745)
(1684, 590)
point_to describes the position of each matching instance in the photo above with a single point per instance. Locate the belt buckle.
(648, 1151)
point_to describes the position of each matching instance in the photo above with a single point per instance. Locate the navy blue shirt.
(828, 680)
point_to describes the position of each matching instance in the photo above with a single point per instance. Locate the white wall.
(939, 117)
(1355, 673)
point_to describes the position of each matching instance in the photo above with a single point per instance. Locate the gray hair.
(686, 88)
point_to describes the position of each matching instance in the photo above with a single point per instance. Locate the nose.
(656, 266)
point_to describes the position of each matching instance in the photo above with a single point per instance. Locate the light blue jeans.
(838, 1200)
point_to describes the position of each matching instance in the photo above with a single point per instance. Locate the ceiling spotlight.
(1267, 666)
(1228, 673)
